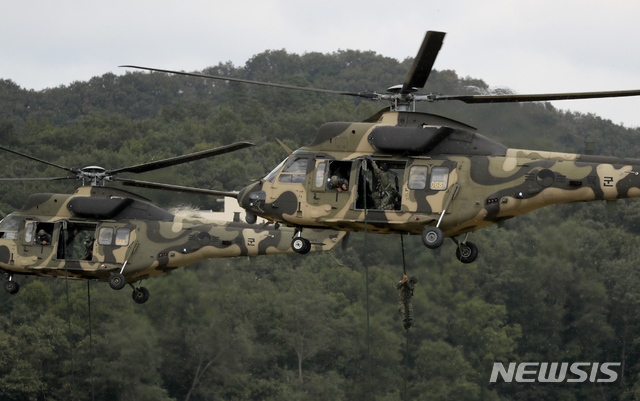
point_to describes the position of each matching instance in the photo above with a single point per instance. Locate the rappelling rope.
(73, 380)
(90, 337)
(406, 355)
(404, 263)
(366, 281)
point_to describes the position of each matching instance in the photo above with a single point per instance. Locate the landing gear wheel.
(140, 295)
(467, 252)
(117, 281)
(432, 237)
(11, 287)
(301, 245)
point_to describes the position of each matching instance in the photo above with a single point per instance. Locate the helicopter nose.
(252, 198)
(242, 198)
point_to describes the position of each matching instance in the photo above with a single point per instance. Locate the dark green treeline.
(557, 285)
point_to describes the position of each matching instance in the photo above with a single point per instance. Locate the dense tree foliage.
(556, 285)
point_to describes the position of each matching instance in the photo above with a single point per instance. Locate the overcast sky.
(530, 47)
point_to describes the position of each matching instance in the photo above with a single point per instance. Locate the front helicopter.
(406, 172)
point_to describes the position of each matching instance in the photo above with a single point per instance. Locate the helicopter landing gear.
(140, 295)
(11, 286)
(250, 218)
(300, 245)
(117, 281)
(467, 252)
(432, 237)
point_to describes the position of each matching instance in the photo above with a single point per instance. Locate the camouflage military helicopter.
(407, 172)
(108, 234)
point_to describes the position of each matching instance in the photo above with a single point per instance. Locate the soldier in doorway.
(44, 238)
(385, 195)
(338, 183)
(88, 246)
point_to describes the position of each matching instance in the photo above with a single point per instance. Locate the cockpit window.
(9, 228)
(272, 175)
(295, 171)
(297, 165)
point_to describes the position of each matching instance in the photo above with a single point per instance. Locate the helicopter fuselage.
(440, 173)
(100, 231)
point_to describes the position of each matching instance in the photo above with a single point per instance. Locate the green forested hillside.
(557, 285)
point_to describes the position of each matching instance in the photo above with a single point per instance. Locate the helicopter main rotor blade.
(172, 161)
(423, 63)
(38, 179)
(544, 97)
(178, 188)
(72, 170)
(368, 95)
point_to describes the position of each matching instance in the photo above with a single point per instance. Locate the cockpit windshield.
(9, 228)
(272, 175)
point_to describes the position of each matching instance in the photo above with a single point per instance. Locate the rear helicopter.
(108, 234)
(407, 172)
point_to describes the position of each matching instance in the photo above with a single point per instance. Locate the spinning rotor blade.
(38, 179)
(423, 63)
(545, 97)
(247, 81)
(178, 188)
(172, 161)
(72, 170)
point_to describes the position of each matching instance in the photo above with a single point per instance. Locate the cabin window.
(28, 232)
(319, 182)
(294, 172)
(439, 178)
(418, 177)
(105, 236)
(9, 228)
(272, 175)
(122, 236)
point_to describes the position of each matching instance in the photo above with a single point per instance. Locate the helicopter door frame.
(366, 182)
(31, 246)
(322, 192)
(428, 185)
(31, 229)
(73, 248)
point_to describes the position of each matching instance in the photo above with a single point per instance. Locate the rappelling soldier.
(406, 287)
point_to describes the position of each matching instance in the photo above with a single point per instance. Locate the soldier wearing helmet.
(43, 238)
(338, 183)
(405, 308)
(385, 195)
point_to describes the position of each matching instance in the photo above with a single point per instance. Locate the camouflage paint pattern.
(155, 242)
(485, 182)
